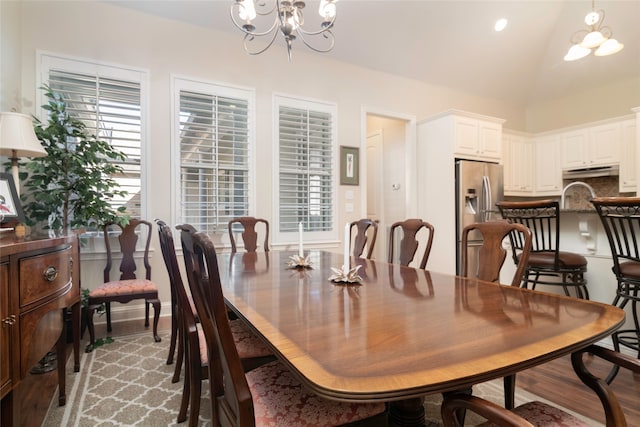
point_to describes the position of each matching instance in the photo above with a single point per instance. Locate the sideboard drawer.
(44, 275)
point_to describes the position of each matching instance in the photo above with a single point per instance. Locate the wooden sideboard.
(39, 283)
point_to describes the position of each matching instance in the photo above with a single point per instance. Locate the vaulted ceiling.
(453, 43)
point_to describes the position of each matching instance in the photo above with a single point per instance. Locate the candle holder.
(297, 261)
(346, 275)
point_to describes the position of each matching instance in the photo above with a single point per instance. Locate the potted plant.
(71, 186)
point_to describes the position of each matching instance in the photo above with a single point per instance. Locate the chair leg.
(146, 313)
(179, 356)
(88, 313)
(156, 318)
(108, 310)
(510, 391)
(186, 388)
(174, 336)
(196, 391)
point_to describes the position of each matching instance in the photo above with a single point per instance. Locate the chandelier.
(596, 37)
(288, 21)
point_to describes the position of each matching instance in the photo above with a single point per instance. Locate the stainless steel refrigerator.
(479, 185)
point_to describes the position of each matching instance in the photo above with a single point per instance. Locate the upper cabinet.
(518, 158)
(477, 138)
(628, 156)
(548, 173)
(591, 146)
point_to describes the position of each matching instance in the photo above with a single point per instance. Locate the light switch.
(348, 207)
(348, 194)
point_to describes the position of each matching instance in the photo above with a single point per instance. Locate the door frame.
(410, 188)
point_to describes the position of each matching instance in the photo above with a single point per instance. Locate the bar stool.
(620, 218)
(548, 265)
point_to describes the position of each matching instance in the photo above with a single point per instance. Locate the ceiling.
(452, 43)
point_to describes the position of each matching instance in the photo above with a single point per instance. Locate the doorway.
(390, 168)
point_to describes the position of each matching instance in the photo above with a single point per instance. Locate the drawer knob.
(50, 274)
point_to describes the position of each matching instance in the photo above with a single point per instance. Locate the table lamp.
(18, 139)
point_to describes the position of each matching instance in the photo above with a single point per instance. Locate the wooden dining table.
(402, 333)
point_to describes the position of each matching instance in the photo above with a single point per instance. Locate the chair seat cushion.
(123, 287)
(565, 260)
(630, 269)
(543, 415)
(247, 343)
(279, 399)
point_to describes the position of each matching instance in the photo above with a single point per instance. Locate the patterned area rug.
(128, 383)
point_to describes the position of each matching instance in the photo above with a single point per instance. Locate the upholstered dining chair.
(409, 245)
(128, 286)
(249, 233)
(366, 234)
(620, 217)
(187, 331)
(267, 396)
(489, 259)
(541, 414)
(548, 265)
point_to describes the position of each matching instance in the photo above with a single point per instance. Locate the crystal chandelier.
(596, 37)
(288, 21)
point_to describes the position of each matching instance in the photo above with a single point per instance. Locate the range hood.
(591, 172)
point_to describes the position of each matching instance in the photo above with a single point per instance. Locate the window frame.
(319, 237)
(181, 82)
(46, 61)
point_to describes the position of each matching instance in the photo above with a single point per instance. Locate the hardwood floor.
(554, 381)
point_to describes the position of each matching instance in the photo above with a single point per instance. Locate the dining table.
(400, 333)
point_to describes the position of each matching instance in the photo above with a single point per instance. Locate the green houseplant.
(72, 186)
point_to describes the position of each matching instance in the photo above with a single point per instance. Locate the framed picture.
(10, 208)
(349, 166)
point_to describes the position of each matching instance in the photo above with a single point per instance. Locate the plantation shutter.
(214, 159)
(110, 109)
(306, 190)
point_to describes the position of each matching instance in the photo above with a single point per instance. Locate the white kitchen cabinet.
(591, 146)
(476, 138)
(548, 172)
(519, 163)
(628, 156)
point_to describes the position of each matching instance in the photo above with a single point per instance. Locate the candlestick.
(300, 250)
(346, 264)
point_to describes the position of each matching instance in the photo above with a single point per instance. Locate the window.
(214, 138)
(306, 178)
(108, 99)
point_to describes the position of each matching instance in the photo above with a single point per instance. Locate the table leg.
(409, 412)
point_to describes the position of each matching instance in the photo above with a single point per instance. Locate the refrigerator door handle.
(486, 198)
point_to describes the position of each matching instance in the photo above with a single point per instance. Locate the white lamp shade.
(247, 10)
(576, 52)
(17, 137)
(609, 47)
(593, 39)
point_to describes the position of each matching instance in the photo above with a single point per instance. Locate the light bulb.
(592, 18)
(501, 24)
(247, 10)
(327, 9)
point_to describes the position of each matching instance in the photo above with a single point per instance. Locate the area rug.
(128, 383)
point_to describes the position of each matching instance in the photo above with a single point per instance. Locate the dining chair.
(128, 287)
(537, 413)
(266, 396)
(548, 265)
(489, 259)
(249, 233)
(366, 234)
(410, 241)
(187, 331)
(620, 217)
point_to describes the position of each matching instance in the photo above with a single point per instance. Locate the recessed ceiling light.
(501, 24)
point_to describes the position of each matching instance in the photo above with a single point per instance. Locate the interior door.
(375, 206)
